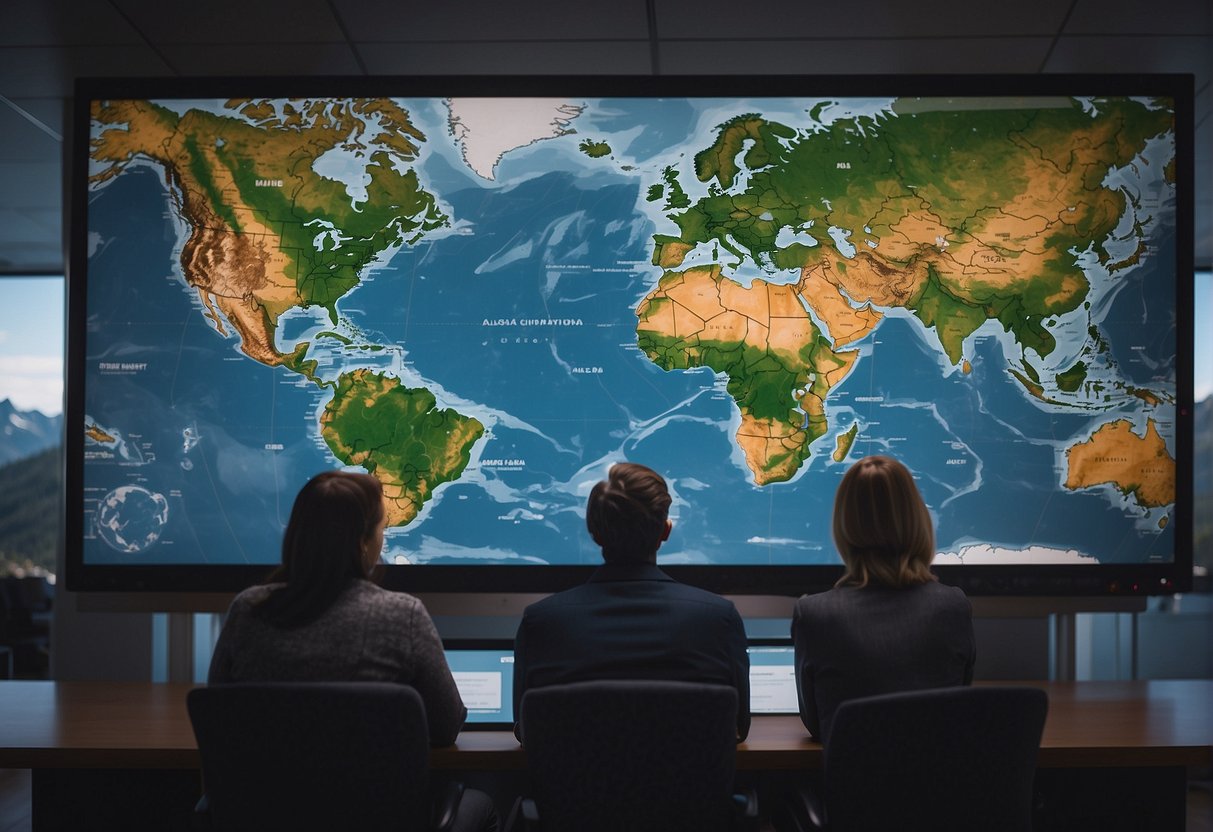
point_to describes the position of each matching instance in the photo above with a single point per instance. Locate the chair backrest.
(316, 755)
(949, 758)
(632, 755)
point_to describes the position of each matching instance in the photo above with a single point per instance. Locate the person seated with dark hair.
(631, 620)
(888, 625)
(320, 617)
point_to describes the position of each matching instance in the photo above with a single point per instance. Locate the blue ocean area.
(1140, 326)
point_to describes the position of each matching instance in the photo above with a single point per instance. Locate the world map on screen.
(484, 302)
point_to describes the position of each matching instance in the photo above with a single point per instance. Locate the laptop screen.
(772, 679)
(484, 674)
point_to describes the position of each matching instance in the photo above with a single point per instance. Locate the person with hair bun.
(888, 625)
(631, 620)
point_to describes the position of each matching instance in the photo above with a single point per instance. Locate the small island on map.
(98, 434)
(1137, 466)
(844, 443)
(595, 150)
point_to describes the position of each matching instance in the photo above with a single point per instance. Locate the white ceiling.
(45, 44)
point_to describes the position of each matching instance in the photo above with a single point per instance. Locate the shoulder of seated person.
(373, 593)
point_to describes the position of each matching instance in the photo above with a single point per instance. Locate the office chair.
(634, 755)
(943, 759)
(315, 755)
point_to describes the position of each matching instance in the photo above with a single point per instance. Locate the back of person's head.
(882, 527)
(333, 525)
(627, 514)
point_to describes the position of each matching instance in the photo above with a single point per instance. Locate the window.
(1202, 440)
(31, 417)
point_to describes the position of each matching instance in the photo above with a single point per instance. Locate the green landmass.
(677, 199)
(1032, 387)
(759, 380)
(1151, 397)
(595, 150)
(201, 174)
(1071, 380)
(962, 167)
(239, 178)
(298, 362)
(1030, 370)
(1101, 346)
(954, 320)
(334, 335)
(780, 393)
(399, 435)
(397, 211)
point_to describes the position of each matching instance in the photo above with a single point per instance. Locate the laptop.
(772, 677)
(484, 673)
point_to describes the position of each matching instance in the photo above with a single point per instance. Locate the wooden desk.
(141, 725)
(1090, 725)
(1136, 727)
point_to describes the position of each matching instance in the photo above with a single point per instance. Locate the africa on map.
(484, 302)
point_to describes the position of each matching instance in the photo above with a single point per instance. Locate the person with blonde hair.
(888, 625)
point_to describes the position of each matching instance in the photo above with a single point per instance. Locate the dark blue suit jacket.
(632, 621)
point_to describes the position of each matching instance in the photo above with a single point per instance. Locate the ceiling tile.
(1188, 53)
(833, 57)
(1133, 17)
(490, 20)
(283, 59)
(64, 22)
(45, 73)
(236, 21)
(872, 19)
(614, 58)
(22, 140)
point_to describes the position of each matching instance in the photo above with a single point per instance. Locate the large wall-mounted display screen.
(485, 291)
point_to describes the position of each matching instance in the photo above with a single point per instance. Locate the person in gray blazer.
(888, 625)
(321, 618)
